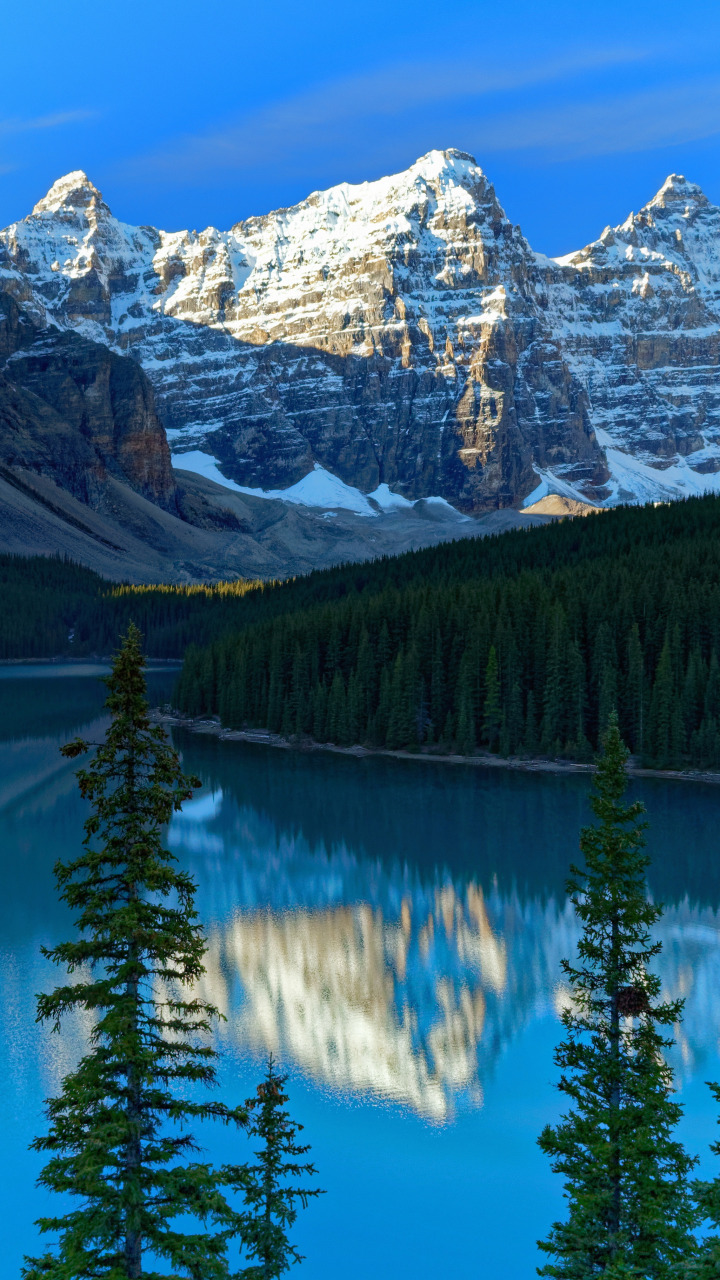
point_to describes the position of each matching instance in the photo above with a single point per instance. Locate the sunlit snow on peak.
(676, 189)
(73, 191)
(420, 277)
(446, 164)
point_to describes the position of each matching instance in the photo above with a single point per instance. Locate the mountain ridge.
(403, 332)
(85, 472)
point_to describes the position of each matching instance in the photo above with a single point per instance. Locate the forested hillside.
(519, 644)
(52, 608)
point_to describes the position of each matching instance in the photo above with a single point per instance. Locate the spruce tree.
(270, 1186)
(492, 711)
(552, 722)
(629, 1211)
(707, 1194)
(635, 690)
(119, 1138)
(661, 707)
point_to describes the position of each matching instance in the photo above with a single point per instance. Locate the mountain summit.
(402, 332)
(73, 192)
(677, 190)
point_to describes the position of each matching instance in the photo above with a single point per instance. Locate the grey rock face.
(85, 471)
(389, 332)
(403, 332)
(637, 314)
(72, 410)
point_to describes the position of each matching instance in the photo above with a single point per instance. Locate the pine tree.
(270, 1186)
(634, 690)
(554, 682)
(336, 724)
(466, 740)
(626, 1178)
(661, 707)
(119, 1140)
(607, 697)
(707, 1194)
(319, 723)
(402, 720)
(299, 700)
(492, 712)
(513, 724)
(531, 742)
(712, 690)
(577, 744)
(437, 682)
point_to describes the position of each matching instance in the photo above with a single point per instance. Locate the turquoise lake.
(392, 931)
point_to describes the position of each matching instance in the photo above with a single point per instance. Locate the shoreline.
(89, 660)
(484, 760)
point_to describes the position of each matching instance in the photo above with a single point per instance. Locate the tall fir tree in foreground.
(270, 1187)
(707, 1194)
(119, 1139)
(629, 1208)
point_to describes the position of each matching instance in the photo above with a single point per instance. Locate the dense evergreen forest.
(519, 644)
(52, 608)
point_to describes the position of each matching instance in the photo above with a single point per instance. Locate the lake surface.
(393, 932)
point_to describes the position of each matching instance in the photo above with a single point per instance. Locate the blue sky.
(195, 114)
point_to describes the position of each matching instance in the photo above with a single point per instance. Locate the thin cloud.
(326, 119)
(675, 114)
(15, 125)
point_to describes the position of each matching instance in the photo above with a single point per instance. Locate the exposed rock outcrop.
(73, 410)
(403, 332)
(387, 331)
(637, 314)
(85, 471)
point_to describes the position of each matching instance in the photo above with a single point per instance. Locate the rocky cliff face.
(637, 315)
(85, 471)
(402, 332)
(75, 411)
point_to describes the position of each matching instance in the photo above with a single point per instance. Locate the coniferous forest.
(521, 644)
(53, 608)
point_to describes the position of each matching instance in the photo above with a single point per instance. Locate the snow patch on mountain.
(388, 500)
(203, 464)
(550, 483)
(635, 481)
(317, 489)
(404, 329)
(632, 480)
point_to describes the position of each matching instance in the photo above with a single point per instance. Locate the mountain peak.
(437, 164)
(677, 190)
(73, 191)
(447, 159)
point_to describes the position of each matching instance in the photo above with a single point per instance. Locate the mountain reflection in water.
(394, 939)
(394, 931)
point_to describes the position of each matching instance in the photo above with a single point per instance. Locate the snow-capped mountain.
(374, 977)
(402, 333)
(637, 314)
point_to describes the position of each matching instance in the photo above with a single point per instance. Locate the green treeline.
(523, 643)
(52, 607)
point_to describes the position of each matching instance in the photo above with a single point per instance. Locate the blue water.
(392, 931)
